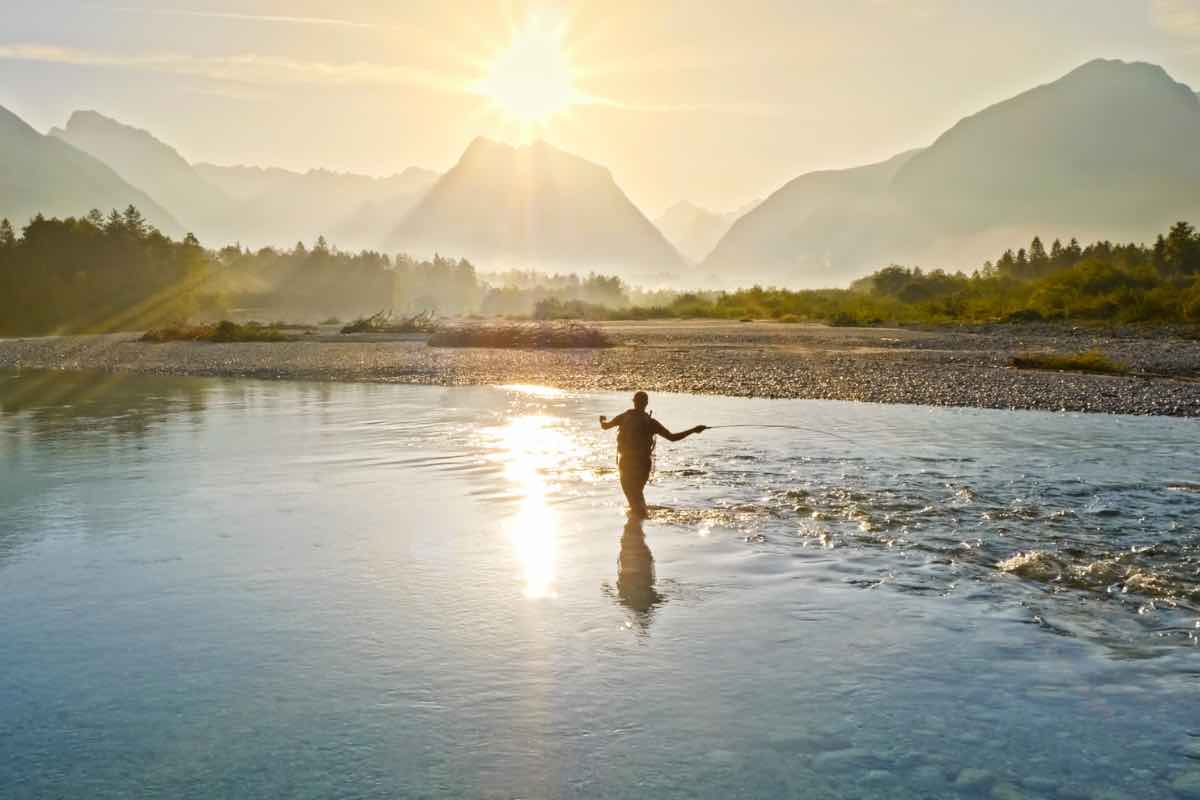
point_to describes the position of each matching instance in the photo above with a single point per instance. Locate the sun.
(532, 81)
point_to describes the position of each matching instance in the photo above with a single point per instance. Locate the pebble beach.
(936, 367)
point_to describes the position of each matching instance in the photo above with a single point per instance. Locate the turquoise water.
(245, 589)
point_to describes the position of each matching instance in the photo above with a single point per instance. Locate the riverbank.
(938, 367)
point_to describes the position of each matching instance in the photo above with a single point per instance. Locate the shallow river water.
(268, 589)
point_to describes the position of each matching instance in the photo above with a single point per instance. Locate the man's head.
(641, 400)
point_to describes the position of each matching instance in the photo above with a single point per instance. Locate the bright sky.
(715, 102)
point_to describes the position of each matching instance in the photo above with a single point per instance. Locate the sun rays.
(531, 80)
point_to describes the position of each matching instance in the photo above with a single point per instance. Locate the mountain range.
(278, 207)
(1111, 150)
(43, 175)
(153, 166)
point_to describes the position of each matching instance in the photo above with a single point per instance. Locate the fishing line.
(787, 427)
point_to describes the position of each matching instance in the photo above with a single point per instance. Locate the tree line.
(107, 273)
(116, 272)
(1103, 281)
(96, 273)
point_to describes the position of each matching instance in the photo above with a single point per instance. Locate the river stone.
(1006, 791)
(851, 758)
(1036, 783)
(825, 742)
(1187, 785)
(877, 776)
(971, 778)
(721, 756)
(808, 742)
(929, 778)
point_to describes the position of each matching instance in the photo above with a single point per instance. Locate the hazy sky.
(716, 102)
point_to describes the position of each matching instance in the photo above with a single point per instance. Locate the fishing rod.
(787, 427)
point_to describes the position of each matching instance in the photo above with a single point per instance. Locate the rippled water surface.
(243, 589)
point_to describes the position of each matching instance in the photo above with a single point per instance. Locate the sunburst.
(532, 80)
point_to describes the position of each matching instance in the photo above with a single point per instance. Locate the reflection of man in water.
(635, 448)
(635, 573)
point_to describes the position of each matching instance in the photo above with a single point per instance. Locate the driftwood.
(384, 322)
(520, 335)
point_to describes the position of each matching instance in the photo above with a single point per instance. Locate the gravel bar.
(936, 367)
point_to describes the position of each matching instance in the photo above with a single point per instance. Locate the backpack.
(636, 437)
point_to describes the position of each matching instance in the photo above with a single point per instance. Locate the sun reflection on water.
(533, 389)
(533, 448)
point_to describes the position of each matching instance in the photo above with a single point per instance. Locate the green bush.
(223, 331)
(1090, 361)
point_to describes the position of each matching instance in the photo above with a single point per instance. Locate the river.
(215, 588)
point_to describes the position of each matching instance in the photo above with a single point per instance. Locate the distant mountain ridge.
(1108, 143)
(43, 175)
(279, 207)
(252, 206)
(534, 207)
(810, 222)
(693, 230)
(153, 166)
(1111, 150)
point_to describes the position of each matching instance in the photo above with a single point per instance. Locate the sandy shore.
(941, 367)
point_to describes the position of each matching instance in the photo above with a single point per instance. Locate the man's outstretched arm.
(607, 423)
(676, 437)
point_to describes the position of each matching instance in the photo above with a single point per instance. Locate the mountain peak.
(1115, 66)
(685, 207)
(119, 144)
(482, 148)
(151, 165)
(531, 206)
(1109, 149)
(44, 174)
(693, 229)
(85, 123)
(88, 116)
(12, 124)
(1114, 75)
(483, 151)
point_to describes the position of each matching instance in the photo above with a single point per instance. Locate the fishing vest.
(636, 436)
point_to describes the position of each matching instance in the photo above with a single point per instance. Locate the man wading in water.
(635, 449)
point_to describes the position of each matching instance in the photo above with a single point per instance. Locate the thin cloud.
(758, 109)
(251, 69)
(230, 15)
(1180, 17)
(918, 8)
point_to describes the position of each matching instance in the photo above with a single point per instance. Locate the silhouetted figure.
(635, 573)
(635, 449)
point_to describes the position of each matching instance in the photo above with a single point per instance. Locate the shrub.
(1091, 361)
(843, 319)
(521, 335)
(1025, 315)
(223, 331)
(554, 308)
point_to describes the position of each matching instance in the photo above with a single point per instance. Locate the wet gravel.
(940, 367)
